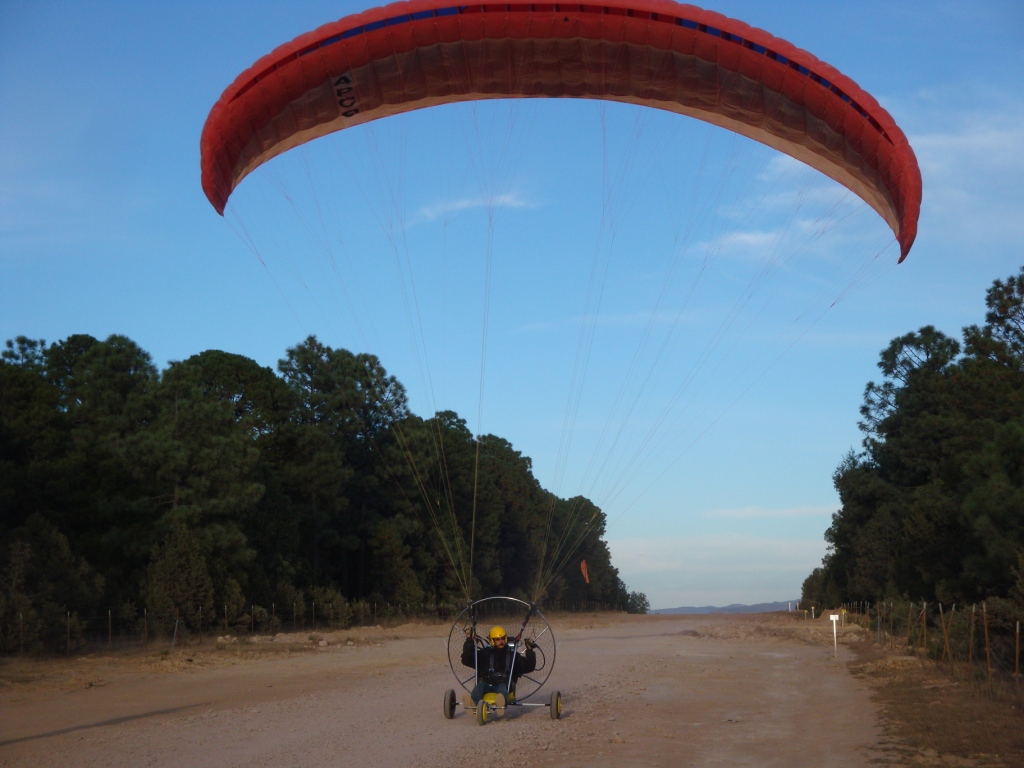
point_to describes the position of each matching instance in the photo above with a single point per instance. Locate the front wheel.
(556, 705)
(449, 704)
(481, 712)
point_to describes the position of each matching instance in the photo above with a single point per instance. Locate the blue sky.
(715, 471)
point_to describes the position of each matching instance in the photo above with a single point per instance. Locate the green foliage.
(637, 603)
(177, 581)
(233, 605)
(291, 602)
(819, 590)
(219, 485)
(43, 588)
(332, 609)
(933, 508)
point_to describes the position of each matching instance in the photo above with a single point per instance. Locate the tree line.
(932, 507)
(219, 485)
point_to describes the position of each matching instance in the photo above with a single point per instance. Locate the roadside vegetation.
(219, 492)
(932, 507)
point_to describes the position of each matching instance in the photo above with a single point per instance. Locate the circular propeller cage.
(509, 613)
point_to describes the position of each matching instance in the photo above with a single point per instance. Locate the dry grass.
(933, 719)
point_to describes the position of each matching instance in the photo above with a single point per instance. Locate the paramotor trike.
(533, 638)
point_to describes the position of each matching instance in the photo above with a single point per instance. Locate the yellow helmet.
(496, 632)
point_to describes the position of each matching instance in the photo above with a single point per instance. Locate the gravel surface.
(637, 690)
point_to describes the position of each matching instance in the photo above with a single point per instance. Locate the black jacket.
(493, 663)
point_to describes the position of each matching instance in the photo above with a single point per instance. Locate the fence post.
(69, 633)
(145, 625)
(200, 625)
(988, 654)
(970, 643)
(892, 614)
(924, 627)
(110, 630)
(21, 630)
(225, 618)
(949, 631)
(945, 638)
(1016, 660)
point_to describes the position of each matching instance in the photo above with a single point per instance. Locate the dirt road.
(648, 690)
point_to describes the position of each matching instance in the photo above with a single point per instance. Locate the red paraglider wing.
(417, 54)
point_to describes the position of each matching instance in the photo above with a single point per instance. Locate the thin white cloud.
(780, 165)
(716, 569)
(980, 145)
(451, 207)
(971, 163)
(769, 513)
(967, 138)
(698, 557)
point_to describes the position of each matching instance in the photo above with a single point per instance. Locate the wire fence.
(127, 628)
(979, 645)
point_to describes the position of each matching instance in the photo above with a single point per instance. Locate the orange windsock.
(583, 570)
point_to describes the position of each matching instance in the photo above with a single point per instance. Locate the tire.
(481, 712)
(556, 705)
(449, 704)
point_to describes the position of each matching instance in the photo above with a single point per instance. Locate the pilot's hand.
(530, 644)
(470, 634)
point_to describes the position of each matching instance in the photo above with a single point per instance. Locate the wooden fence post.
(924, 627)
(970, 643)
(949, 631)
(945, 638)
(988, 654)
(892, 629)
(1016, 660)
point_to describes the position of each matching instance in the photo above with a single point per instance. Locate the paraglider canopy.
(423, 53)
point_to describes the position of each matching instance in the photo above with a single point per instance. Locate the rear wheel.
(449, 704)
(556, 705)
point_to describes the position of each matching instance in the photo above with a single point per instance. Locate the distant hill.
(734, 608)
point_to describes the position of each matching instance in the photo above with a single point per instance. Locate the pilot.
(493, 663)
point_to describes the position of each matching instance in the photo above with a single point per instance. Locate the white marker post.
(835, 640)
